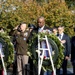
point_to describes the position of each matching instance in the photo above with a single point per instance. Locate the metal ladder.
(41, 57)
(5, 73)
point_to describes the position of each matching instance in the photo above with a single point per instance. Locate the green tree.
(59, 14)
(56, 13)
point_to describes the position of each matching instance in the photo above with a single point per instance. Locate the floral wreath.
(33, 51)
(7, 49)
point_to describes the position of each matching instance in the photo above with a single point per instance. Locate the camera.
(19, 29)
(31, 26)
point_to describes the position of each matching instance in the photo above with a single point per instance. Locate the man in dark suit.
(73, 52)
(65, 41)
(41, 27)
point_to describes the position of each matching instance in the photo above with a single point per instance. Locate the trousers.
(22, 60)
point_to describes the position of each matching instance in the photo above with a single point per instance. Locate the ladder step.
(43, 38)
(43, 49)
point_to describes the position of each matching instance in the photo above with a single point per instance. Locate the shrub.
(55, 13)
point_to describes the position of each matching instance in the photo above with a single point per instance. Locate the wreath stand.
(40, 57)
(1, 55)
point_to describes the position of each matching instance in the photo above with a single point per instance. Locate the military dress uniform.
(21, 48)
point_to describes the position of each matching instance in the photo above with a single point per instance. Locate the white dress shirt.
(41, 29)
(60, 36)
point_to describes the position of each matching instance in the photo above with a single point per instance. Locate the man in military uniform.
(21, 35)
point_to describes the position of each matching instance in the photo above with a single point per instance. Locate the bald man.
(40, 28)
(41, 24)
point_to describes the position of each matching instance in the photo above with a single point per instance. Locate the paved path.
(69, 71)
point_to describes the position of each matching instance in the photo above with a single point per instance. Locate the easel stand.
(40, 57)
(4, 69)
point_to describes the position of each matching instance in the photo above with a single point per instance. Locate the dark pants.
(73, 63)
(31, 66)
(34, 68)
(64, 67)
(14, 68)
(74, 69)
(15, 65)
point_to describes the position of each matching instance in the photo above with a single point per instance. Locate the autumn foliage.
(55, 13)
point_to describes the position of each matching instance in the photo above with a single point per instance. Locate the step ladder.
(41, 57)
(1, 55)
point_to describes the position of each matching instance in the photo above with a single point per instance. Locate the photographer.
(32, 30)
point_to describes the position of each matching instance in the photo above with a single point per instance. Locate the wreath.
(7, 49)
(57, 47)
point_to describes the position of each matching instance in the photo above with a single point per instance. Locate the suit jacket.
(73, 49)
(67, 44)
(36, 31)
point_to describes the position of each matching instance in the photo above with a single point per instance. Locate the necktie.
(60, 36)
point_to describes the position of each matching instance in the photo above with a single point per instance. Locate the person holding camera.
(21, 35)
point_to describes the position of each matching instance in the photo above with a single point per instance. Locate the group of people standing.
(21, 36)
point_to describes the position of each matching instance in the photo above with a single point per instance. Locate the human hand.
(16, 27)
(28, 53)
(66, 58)
(63, 41)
